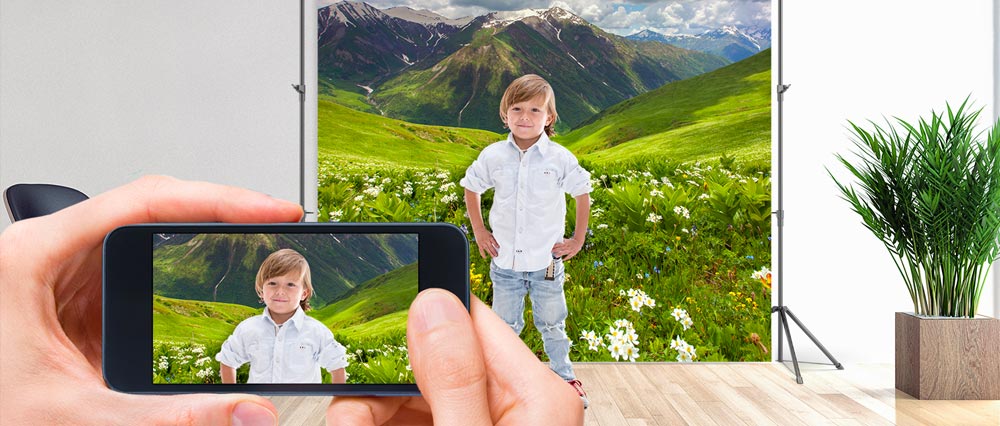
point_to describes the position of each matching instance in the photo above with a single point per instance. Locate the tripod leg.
(816, 341)
(781, 316)
(791, 349)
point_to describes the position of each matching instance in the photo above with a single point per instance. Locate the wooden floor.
(736, 394)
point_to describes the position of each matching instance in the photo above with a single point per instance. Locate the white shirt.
(291, 353)
(528, 215)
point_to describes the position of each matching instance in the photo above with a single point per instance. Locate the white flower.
(703, 196)
(596, 344)
(649, 302)
(450, 198)
(336, 215)
(682, 211)
(615, 335)
(654, 218)
(677, 343)
(687, 322)
(408, 190)
(359, 198)
(208, 372)
(636, 304)
(602, 226)
(679, 314)
(447, 187)
(631, 353)
(616, 349)
(373, 191)
(761, 274)
(656, 193)
(623, 323)
(631, 337)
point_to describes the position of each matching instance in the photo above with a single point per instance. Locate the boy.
(529, 174)
(283, 345)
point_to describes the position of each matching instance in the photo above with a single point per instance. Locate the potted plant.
(931, 193)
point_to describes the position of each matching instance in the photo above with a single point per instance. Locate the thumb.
(447, 359)
(234, 410)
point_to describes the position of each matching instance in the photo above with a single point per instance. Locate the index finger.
(159, 199)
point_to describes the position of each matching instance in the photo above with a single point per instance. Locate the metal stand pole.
(783, 312)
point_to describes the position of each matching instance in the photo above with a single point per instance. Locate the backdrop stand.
(783, 312)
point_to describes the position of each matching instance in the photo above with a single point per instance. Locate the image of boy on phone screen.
(530, 175)
(283, 345)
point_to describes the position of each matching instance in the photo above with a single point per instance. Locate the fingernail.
(250, 414)
(437, 307)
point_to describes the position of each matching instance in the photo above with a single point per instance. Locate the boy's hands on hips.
(568, 248)
(486, 242)
(50, 311)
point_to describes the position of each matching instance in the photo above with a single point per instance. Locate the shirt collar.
(543, 143)
(296, 318)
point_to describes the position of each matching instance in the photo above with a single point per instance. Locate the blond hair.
(528, 87)
(284, 262)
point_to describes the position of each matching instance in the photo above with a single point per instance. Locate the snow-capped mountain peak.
(424, 17)
(347, 11)
(505, 18)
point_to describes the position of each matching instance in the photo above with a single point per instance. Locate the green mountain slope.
(348, 135)
(376, 307)
(179, 320)
(588, 68)
(724, 111)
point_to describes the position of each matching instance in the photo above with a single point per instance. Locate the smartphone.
(279, 309)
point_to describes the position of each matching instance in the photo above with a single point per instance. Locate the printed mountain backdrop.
(674, 125)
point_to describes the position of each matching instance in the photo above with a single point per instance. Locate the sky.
(622, 18)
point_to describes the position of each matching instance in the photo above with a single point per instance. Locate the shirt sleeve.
(233, 352)
(332, 355)
(477, 177)
(576, 180)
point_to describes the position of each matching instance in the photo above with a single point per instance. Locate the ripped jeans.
(548, 309)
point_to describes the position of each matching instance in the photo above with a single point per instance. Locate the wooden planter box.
(948, 358)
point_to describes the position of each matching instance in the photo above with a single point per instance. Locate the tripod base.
(783, 314)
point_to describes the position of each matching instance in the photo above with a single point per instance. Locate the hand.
(471, 371)
(568, 248)
(486, 242)
(50, 311)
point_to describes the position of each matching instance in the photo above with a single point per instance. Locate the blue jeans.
(549, 310)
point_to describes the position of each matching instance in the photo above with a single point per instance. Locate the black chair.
(28, 200)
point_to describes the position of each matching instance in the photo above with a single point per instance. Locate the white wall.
(863, 60)
(94, 93)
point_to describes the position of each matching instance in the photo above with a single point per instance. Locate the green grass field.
(179, 320)
(727, 111)
(347, 135)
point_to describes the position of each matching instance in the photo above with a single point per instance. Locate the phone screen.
(282, 308)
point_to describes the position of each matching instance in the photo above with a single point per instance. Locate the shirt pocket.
(545, 181)
(504, 181)
(302, 356)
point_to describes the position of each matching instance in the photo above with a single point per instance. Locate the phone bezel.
(443, 256)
